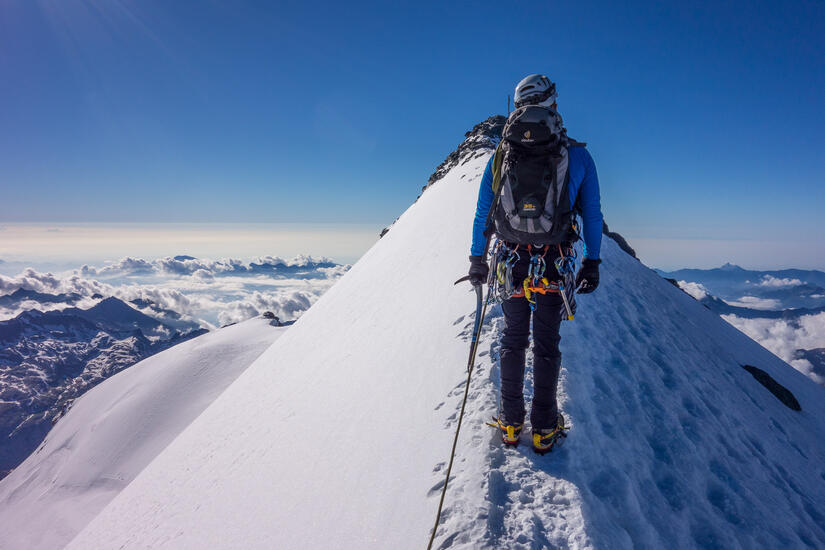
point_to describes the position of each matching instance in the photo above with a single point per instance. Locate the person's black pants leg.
(546, 360)
(514, 341)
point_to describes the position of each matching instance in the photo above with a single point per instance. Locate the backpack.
(530, 180)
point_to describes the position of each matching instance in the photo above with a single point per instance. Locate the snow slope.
(113, 431)
(337, 436)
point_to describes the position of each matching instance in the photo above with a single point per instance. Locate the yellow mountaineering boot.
(509, 432)
(546, 440)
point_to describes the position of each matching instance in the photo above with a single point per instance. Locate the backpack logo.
(527, 134)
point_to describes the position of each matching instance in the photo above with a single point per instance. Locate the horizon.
(65, 247)
(142, 113)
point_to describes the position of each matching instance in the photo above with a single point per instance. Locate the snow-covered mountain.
(338, 434)
(47, 359)
(114, 430)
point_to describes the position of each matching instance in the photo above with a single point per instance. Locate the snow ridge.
(117, 428)
(338, 434)
(672, 445)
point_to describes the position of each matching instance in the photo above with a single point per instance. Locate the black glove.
(478, 270)
(587, 280)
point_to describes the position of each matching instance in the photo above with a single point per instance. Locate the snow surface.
(338, 435)
(112, 432)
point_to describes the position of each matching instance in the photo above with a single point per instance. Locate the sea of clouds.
(775, 282)
(783, 337)
(210, 293)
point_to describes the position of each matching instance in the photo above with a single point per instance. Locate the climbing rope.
(480, 312)
(500, 287)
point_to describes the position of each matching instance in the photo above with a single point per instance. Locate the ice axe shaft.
(563, 293)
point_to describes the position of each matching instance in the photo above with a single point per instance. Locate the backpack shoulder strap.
(573, 143)
(498, 157)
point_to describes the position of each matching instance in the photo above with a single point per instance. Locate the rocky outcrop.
(675, 283)
(778, 390)
(478, 141)
(621, 241)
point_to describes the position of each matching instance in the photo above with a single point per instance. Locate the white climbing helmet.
(535, 89)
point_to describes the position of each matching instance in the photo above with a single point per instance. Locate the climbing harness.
(502, 286)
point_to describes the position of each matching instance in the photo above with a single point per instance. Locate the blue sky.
(706, 120)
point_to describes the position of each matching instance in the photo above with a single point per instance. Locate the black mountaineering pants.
(546, 354)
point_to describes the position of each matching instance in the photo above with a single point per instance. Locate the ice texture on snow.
(338, 435)
(114, 430)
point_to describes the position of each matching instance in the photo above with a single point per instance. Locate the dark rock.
(675, 283)
(275, 322)
(141, 303)
(780, 392)
(621, 241)
(478, 141)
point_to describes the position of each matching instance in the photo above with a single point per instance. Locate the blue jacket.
(584, 184)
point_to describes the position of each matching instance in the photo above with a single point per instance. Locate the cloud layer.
(203, 291)
(187, 265)
(784, 337)
(697, 290)
(771, 281)
(754, 302)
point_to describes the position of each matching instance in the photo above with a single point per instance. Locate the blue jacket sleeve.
(591, 208)
(485, 201)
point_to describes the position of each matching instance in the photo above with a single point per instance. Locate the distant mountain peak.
(111, 301)
(731, 267)
(23, 294)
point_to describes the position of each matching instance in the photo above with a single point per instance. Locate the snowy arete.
(337, 435)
